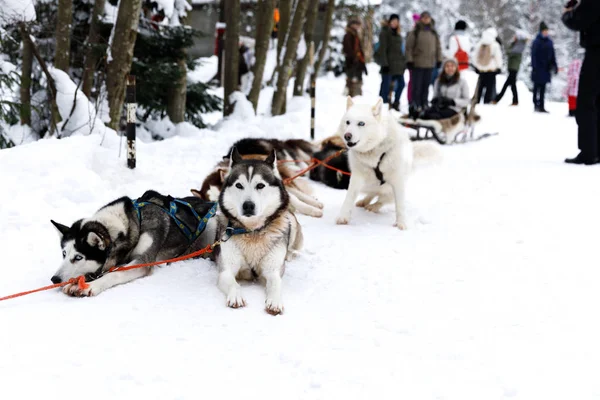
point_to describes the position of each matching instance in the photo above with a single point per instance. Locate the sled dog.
(381, 158)
(126, 232)
(254, 203)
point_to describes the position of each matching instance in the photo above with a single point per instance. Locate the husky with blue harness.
(124, 232)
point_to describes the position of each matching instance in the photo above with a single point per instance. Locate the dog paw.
(362, 203)
(235, 299)
(342, 220)
(274, 307)
(401, 225)
(320, 205)
(317, 214)
(374, 208)
(74, 290)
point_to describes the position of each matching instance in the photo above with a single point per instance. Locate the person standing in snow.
(487, 62)
(392, 61)
(355, 58)
(415, 18)
(423, 54)
(543, 64)
(515, 56)
(459, 45)
(584, 16)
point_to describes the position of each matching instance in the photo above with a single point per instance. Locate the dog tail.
(426, 153)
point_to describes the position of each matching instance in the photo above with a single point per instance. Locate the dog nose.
(55, 279)
(348, 137)
(248, 208)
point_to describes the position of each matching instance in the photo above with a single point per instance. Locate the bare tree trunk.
(125, 33)
(177, 95)
(232, 52)
(63, 35)
(309, 28)
(285, 15)
(367, 34)
(263, 32)
(27, 53)
(325, 43)
(92, 55)
(285, 69)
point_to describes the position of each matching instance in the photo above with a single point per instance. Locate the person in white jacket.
(459, 45)
(487, 62)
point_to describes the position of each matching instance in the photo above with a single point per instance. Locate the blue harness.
(202, 221)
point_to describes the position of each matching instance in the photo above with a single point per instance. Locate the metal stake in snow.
(313, 85)
(131, 111)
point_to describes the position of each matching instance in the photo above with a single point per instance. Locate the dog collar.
(378, 172)
(231, 231)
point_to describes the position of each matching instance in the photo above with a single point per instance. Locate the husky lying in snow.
(253, 198)
(127, 232)
(299, 189)
(381, 158)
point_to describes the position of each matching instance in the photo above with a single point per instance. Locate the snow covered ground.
(492, 293)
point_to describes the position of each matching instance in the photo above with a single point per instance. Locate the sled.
(459, 128)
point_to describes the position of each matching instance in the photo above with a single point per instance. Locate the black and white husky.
(126, 232)
(253, 201)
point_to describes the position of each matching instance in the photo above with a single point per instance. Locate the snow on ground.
(490, 294)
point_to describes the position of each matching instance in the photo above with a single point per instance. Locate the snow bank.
(12, 11)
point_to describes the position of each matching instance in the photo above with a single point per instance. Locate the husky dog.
(254, 200)
(381, 159)
(292, 149)
(127, 232)
(299, 190)
(328, 176)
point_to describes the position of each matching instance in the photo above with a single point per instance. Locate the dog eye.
(347, 122)
(361, 123)
(239, 185)
(260, 186)
(77, 258)
(64, 253)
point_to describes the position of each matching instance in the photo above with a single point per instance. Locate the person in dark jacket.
(585, 18)
(355, 58)
(515, 56)
(423, 54)
(393, 61)
(543, 64)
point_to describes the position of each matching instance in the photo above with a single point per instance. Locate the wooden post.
(313, 88)
(131, 118)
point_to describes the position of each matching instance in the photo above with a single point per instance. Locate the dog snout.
(348, 137)
(56, 279)
(248, 208)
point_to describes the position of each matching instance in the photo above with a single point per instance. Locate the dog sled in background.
(293, 156)
(460, 128)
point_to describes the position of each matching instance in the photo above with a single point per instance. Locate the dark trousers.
(487, 85)
(438, 113)
(539, 94)
(386, 83)
(588, 104)
(421, 78)
(512, 82)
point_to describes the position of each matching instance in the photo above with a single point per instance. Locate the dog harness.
(202, 221)
(378, 172)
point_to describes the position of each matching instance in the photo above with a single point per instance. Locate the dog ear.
(62, 229)
(377, 108)
(272, 159)
(235, 157)
(196, 193)
(95, 240)
(349, 102)
(223, 174)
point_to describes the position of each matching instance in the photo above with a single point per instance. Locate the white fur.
(370, 132)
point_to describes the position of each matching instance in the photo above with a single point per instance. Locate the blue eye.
(77, 258)
(361, 123)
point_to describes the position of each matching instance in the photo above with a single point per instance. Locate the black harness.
(378, 172)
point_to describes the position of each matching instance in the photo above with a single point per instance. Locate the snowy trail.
(490, 294)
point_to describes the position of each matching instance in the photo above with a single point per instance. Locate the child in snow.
(450, 93)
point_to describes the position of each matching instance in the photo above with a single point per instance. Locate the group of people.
(422, 55)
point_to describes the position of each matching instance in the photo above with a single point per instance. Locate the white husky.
(381, 158)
